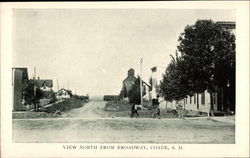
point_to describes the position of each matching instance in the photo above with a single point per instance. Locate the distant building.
(111, 97)
(45, 84)
(130, 81)
(19, 81)
(63, 94)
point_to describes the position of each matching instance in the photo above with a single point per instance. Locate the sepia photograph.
(123, 77)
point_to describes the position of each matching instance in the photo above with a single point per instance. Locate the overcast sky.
(94, 48)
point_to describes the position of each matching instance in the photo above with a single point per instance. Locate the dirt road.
(93, 109)
(91, 124)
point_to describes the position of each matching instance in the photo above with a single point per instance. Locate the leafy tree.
(48, 94)
(32, 95)
(208, 50)
(174, 85)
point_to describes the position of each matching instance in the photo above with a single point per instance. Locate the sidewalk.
(228, 119)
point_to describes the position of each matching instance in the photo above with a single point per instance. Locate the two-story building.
(44, 84)
(19, 81)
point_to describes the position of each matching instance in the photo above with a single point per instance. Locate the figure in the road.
(181, 111)
(58, 111)
(156, 106)
(134, 112)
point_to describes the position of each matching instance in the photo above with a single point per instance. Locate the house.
(19, 81)
(45, 84)
(63, 94)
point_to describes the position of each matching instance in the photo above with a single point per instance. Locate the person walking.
(156, 106)
(134, 111)
(181, 111)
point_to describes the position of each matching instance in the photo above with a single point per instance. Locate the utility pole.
(34, 81)
(68, 84)
(141, 81)
(35, 106)
(34, 72)
(57, 85)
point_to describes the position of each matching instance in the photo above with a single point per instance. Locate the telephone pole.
(34, 81)
(141, 81)
(68, 84)
(57, 85)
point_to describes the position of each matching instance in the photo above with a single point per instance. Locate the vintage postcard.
(125, 79)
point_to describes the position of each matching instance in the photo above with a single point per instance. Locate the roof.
(49, 83)
(24, 70)
(131, 69)
(227, 24)
(63, 89)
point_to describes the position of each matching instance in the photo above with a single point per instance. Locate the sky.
(93, 49)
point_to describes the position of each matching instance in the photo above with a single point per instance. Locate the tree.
(150, 83)
(32, 95)
(134, 94)
(208, 50)
(174, 85)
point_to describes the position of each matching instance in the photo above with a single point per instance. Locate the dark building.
(226, 95)
(19, 81)
(130, 80)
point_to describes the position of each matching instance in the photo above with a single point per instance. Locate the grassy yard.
(123, 108)
(49, 111)
(65, 105)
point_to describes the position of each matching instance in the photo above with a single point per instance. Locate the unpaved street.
(93, 109)
(92, 124)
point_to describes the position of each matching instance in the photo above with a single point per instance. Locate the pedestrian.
(181, 111)
(156, 106)
(134, 112)
(58, 112)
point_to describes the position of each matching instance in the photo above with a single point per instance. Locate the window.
(203, 98)
(194, 98)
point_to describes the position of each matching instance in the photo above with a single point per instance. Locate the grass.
(123, 108)
(49, 112)
(29, 114)
(65, 105)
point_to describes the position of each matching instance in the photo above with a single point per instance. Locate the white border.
(241, 148)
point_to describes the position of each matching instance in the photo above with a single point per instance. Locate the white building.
(63, 94)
